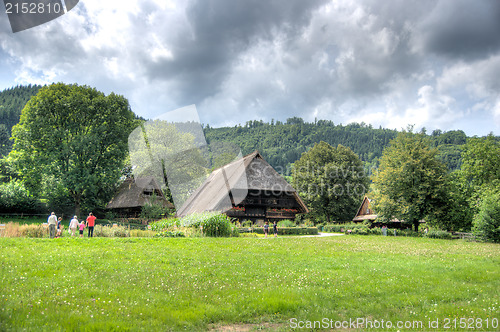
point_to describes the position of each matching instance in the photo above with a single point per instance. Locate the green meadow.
(199, 284)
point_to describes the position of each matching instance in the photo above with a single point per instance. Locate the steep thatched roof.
(136, 193)
(230, 184)
(364, 211)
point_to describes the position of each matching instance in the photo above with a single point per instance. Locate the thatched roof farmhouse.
(133, 194)
(246, 189)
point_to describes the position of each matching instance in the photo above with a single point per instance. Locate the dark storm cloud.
(387, 63)
(219, 32)
(463, 29)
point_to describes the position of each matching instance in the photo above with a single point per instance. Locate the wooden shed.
(133, 194)
(246, 189)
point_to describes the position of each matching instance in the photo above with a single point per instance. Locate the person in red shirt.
(90, 224)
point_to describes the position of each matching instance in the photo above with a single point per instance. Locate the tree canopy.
(75, 138)
(331, 180)
(410, 182)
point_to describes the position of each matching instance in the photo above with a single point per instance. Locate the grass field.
(246, 283)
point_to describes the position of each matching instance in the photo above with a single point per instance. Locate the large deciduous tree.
(331, 180)
(74, 135)
(410, 183)
(480, 169)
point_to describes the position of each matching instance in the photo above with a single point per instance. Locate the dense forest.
(281, 143)
(12, 101)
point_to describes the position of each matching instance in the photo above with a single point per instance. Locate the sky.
(427, 63)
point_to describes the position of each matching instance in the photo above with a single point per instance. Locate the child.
(59, 227)
(266, 228)
(81, 227)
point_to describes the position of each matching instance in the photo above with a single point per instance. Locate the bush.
(403, 232)
(487, 221)
(214, 224)
(154, 210)
(439, 235)
(360, 231)
(289, 230)
(247, 223)
(105, 231)
(14, 197)
(235, 232)
(170, 234)
(341, 228)
(141, 233)
(165, 224)
(286, 223)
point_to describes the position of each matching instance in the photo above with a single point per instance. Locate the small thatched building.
(133, 194)
(246, 189)
(365, 212)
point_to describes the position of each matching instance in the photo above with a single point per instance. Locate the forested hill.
(280, 143)
(12, 101)
(283, 143)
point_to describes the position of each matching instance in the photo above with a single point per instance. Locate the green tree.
(410, 182)
(480, 166)
(454, 214)
(14, 197)
(487, 220)
(331, 180)
(75, 134)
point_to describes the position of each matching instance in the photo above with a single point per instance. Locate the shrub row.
(287, 230)
(439, 235)
(170, 234)
(360, 229)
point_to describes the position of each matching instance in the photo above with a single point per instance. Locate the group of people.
(55, 227)
(275, 228)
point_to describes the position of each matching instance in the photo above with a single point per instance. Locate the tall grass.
(13, 229)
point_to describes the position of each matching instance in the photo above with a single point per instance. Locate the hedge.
(284, 230)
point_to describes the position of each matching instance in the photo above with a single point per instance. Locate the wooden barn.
(133, 194)
(246, 189)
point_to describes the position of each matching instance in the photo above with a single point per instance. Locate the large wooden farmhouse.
(246, 189)
(133, 194)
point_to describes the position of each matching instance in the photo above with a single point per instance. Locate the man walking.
(90, 224)
(52, 221)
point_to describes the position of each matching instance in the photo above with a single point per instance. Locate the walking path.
(323, 235)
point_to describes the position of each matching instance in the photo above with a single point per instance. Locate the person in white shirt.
(73, 225)
(52, 221)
